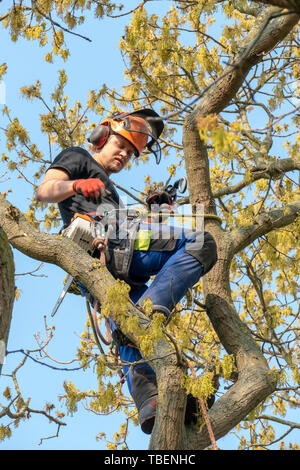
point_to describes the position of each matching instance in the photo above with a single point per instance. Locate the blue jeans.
(176, 271)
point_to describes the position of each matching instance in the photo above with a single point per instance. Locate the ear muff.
(99, 136)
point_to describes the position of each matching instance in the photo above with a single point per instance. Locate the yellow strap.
(206, 216)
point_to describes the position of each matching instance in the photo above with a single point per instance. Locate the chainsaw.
(84, 231)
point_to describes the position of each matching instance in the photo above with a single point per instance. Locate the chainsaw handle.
(179, 185)
(182, 185)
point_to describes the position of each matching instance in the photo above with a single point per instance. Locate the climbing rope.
(205, 414)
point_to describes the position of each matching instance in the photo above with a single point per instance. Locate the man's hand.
(92, 189)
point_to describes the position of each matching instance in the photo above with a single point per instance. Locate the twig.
(129, 194)
(51, 437)
(57, 24)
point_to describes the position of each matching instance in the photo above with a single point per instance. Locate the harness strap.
(94, 316)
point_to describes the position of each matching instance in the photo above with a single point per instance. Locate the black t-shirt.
(79, 164)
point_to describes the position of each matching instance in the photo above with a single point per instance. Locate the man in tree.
(79, 183)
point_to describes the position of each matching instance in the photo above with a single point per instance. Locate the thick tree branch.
(56, 250)
(279, 420)
(246, 7)
(7, 289)
(255, 380)
(262, 170)
(268, 30)
(289, 4)
(265, 223)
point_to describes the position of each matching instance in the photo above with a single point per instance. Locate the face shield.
(141, 128)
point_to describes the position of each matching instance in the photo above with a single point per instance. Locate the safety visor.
(138, 130)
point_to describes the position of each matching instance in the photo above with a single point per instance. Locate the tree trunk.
(170, 371)
(7, 289)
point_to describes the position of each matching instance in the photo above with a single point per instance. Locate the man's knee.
(204, 249)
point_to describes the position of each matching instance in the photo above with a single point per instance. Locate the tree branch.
(276, 419)
(267, 31)
(266, 222)
(7, 289)
(262, 170)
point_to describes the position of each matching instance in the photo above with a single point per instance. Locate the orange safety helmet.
(136, 127)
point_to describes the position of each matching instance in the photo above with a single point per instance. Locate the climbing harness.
(93, 232)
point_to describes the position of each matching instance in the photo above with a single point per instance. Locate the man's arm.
(55, 187)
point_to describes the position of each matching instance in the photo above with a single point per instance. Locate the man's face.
(115, 154)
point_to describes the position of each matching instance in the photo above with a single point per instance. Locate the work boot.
(147, 415)
(148, 411)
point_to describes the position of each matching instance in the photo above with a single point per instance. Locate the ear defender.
(99, 136)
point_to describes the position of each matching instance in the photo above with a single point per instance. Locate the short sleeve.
(73, 160)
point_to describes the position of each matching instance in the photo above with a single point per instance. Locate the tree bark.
(170, 371)
(7, 289)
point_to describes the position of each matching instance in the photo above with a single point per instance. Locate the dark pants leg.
(176, 271)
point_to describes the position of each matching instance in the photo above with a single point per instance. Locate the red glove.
(91, 189)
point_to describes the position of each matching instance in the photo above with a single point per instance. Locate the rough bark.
(170, 371)
(7, 289)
